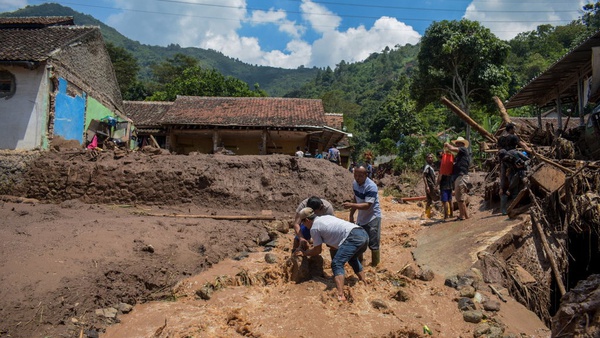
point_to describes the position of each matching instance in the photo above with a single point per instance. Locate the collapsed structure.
(557, 247)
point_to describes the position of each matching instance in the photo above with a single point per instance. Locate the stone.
(401, 296)
(481, 330)
(426, 274)
(524, 276)
(379, 304)
(409, 272)
(451, 282)
(271, 258)
(466, 304)
(204, 293)
(491, 305)
(467, 291)
(109, 312)
(125, 308)
(473, 316)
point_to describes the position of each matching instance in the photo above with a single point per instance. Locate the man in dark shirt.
(460, 171)
(513, 167)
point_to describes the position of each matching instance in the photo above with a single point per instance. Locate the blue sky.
(293, 33)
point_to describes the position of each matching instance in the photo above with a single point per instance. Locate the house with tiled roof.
(147, 117)
(247, 125)
(56, 82)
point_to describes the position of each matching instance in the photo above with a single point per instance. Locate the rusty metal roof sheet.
(146, 113)
(246, 111)
(558, 80)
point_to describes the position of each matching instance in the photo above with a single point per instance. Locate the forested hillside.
(390, 101)
(275, 81)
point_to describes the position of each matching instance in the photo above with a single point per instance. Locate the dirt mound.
(275, 182)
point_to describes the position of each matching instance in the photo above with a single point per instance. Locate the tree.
(196, 81)
(462, 60)
(125, 65)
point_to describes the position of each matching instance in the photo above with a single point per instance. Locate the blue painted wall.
(69, 120)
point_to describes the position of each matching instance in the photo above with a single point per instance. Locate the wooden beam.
(468, 120)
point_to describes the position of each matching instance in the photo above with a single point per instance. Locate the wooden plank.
(516, 201)
(548, 177)
(154, 143)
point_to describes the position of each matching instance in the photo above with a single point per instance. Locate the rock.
(409, 272)
(473, 316)
(466, 304)
(467, 291)
(478, 298)
(481, 330)
(578, 314)
(109, 312)
(271, 244)
(379, 304)
(298, 268)
(495, 332)
(125, 308)
(451, 282)
(204, 293)
(464, 281)
(148, 248)
(282, 226)
(271, 258)
(491, 305)
(401, 296)
(241, 256)
(426, 274)
(524, 276)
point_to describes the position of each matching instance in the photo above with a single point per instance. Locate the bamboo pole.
(468, 120)
(547, 250)
(225, 217)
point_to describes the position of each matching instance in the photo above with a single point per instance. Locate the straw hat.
(461, 140)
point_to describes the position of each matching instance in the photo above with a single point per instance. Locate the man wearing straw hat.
(460, 171)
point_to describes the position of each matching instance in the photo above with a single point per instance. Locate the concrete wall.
(70, 113)
(24, 116)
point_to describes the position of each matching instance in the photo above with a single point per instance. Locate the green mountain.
(275, 81)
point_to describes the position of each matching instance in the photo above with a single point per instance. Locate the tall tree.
(126, 67)
(462, 60)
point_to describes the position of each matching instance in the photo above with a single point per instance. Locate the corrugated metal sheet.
(560, 80)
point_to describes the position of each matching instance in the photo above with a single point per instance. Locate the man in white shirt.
(349, 239)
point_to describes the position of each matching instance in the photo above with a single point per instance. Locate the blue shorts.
(305, 232)
(446, 195)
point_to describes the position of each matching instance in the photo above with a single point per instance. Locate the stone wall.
(275, 182)
(13, 165)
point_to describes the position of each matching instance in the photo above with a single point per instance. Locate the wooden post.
(547, 250)
(468, 120)
(503, 113)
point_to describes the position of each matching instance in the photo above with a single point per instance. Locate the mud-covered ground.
(66, 266)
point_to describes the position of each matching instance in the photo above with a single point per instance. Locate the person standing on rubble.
(431, 190)
(369, 213)
(350, 241)
(460, 172)
(333, 155)
(513, 168)
(510, 140)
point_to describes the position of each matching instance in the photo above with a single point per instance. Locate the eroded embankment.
(275, 182)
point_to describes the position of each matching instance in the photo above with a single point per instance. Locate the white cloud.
(507, 19)
(12, 5)
(220, 27)
(279, 18)
(321, 19)
(356, 44)
(187, 24)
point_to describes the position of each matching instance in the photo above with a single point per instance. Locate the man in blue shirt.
(369, 212)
